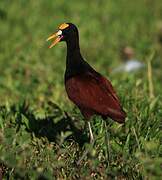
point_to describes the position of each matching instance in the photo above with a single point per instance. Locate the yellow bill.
(57, 35)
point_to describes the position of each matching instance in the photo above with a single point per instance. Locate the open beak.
(58, 37)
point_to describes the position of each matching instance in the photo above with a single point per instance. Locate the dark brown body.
(94, 94)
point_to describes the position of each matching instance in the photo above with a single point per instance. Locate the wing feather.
(94, 92)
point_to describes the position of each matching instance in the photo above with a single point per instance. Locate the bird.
(90, 91)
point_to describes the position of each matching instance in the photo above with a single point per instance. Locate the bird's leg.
(91, 141)
(90, 133)
(107, 142)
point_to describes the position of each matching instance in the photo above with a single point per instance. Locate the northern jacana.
(86, 88)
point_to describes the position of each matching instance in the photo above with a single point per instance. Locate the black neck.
(74, 60)
(75, 63)
(73, 51)
(72, 44)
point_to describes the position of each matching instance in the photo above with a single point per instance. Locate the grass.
(41, 133)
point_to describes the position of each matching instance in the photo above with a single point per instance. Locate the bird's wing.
(94, 92)
(108, 86)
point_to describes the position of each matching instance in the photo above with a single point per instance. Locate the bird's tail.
(118, 116)
(121, 117)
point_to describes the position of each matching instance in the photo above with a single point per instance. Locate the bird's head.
(66, 32)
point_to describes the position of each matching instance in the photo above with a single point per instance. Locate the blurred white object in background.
(130, 63)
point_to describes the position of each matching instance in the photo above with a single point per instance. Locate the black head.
(66, 32)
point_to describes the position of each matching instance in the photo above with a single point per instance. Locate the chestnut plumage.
(86, 88)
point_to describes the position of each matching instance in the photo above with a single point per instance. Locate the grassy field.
(41, 131)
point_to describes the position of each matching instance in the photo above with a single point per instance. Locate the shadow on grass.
(46, 127)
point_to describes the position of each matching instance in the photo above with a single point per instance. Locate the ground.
(42, 133)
